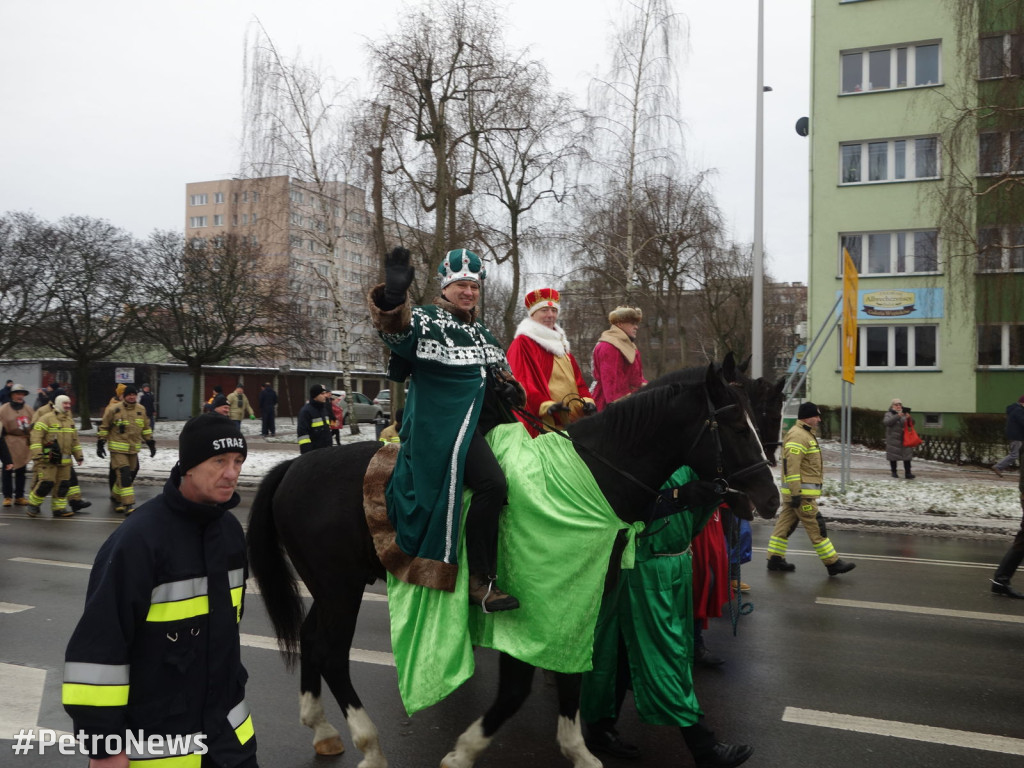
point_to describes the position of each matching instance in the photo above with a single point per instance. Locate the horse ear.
(780, 385)
(745, 365)
(729, 368)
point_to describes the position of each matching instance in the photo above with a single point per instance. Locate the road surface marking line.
(912, 731)
(13, 608)
(250, 585)
(20, 711)
(889, 558)
(973, 615)
(355, 654)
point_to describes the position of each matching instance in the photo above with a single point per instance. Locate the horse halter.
(723, 485)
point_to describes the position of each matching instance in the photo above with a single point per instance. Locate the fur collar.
(618, 339)
(551, 339)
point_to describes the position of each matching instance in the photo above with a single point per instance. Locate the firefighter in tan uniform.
(802, 477)
(125, 427)
(53, 443)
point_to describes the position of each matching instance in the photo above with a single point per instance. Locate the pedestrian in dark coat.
(314, 423)
(148, 401)
(895, 421)
(268, 410)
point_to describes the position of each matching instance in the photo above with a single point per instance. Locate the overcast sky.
(110, 108)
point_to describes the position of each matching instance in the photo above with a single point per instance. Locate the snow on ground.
(943, 499)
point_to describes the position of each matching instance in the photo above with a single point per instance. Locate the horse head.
(766, 401)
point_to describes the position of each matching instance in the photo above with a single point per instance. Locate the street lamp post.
(757, 308)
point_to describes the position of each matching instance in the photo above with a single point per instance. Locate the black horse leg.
(570, 737)
(514, 680)
(326, 739)
(336, 626)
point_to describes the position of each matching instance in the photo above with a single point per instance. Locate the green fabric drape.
(556, 537)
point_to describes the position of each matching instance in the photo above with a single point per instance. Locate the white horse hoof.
(330, 746)
(452, 760)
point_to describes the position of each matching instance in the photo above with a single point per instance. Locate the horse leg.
(570, 737)
(514, 679)
(326, 739)
(334, 636)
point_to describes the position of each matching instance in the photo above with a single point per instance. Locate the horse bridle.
(721, 484)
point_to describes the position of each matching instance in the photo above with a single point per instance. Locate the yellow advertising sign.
(850, 282)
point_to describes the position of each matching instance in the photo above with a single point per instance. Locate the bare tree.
(208, 304)
(634, 109)
(26, 244)
(441, 78)
(92, 270)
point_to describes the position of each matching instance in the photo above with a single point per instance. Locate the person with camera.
(896, 420)
(455, 365)
(539, 356)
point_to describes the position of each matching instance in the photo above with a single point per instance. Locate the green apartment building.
(921, 187)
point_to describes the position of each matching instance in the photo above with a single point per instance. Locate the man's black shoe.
(608, 741)
(1004, 589)
(79, 504)
(704, 657)
(840, 566)
(776, 563)
(724, 756)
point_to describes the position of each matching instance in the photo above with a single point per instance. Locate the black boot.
(776, 563)
(1003, 588)
(603, 737)
(79, 504)
(483, 592)
(723, 755)
(704, 657)
(840, 566)
(906, 471)
(892, 464)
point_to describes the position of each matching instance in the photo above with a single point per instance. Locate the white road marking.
(13, 608)
(382, 658)
(911, 731)
(21, 711)
(250, 585)
(890, 559)
(920, 609)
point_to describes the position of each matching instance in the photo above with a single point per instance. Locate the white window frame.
(199, 199)
(862, 348)
(218, 219)
(1010, 153)
(1004, 350)
(910, 64)
(218, 197)
(1011, 245)
(908, 254)
(891, 146)
(195, 222)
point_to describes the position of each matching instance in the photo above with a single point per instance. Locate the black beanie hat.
(316, 389)
(130, 390)
(206, 436)
(808, 410)
(219, 400)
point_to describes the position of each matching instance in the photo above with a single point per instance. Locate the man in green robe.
(448, 355)
(648, 615)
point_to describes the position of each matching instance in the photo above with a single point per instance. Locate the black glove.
(398, 276)
(55, 455)
(698, 494)
(152, 448)
(101, 451)
(558, 408)
(589, 409)
(796, 502)
(508, 393)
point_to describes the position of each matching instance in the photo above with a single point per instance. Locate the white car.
(362, 406)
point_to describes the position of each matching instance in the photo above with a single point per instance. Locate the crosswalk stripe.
(912, 731)
(20, 711)
(920, 609)
(355, 654)
(60, 563)
(13, 608)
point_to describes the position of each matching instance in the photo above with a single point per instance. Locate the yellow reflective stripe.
(236, 596)
(806, 492)
(86, 695)
(304, 439)
(195, 760)
(182, 609)
(790, 478)
(118, 446)
(318, 423)
(245, 731)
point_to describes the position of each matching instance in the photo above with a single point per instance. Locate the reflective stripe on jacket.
(125, 427)
(802, 471)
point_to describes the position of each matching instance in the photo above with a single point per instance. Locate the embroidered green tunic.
(445, 351)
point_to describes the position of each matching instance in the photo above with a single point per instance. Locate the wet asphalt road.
(822, 672)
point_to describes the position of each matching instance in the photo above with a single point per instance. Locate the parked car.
(383, 401)
(364, 407)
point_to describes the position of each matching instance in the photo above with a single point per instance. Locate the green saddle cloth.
(556, 536)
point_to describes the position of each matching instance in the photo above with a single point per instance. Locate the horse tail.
(274, 576)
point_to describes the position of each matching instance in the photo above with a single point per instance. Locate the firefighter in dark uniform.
(314, 424)
(156, 652)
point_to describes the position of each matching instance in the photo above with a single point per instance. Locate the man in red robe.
(540, 360)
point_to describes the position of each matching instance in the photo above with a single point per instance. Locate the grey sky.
(110, 108)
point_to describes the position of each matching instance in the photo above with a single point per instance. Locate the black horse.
(312, 509)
